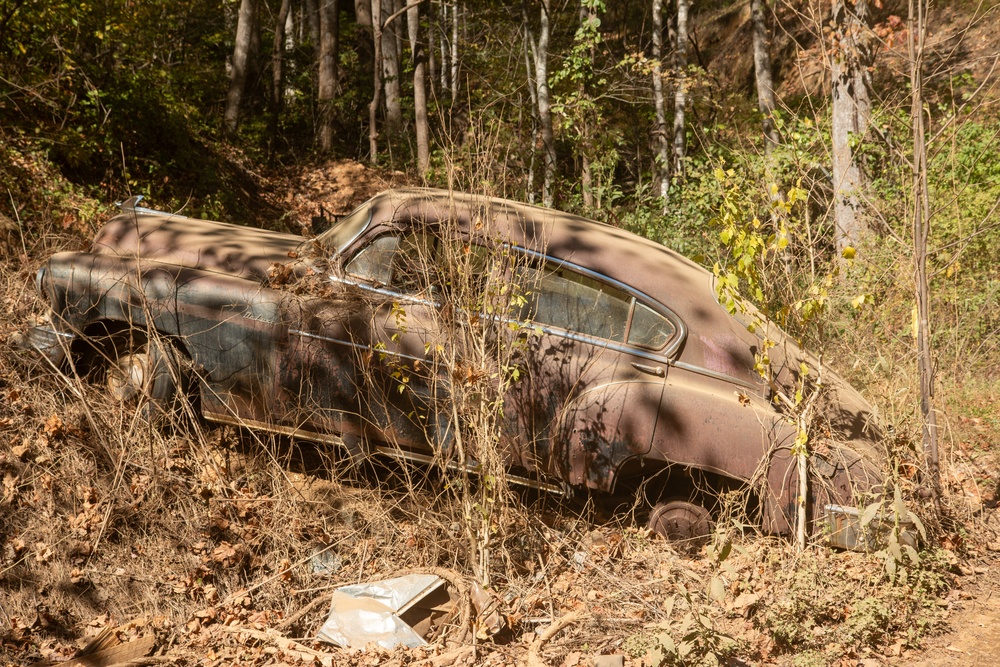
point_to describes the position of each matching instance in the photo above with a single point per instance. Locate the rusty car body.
(635, 377)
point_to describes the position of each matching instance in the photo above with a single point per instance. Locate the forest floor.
(974, 633)
(199, 548)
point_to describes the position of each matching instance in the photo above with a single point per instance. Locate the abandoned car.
(619, 372)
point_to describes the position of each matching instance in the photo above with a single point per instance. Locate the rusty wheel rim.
(127, 378)
(681, 522)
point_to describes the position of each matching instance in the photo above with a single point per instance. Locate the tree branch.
(398, 13)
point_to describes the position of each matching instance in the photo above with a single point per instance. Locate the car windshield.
(347, 229)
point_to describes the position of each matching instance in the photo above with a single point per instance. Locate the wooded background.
(835, 161)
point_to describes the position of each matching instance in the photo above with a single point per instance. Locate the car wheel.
(145, 373)
(681, 522)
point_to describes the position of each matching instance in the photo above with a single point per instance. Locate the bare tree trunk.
(680, 93)
(533, 93)
(397, 7)
(419, 89)
(445, 57)
(586, 174)
(852, 56)
(430, 49)
(766, 104)
(364, 41)
(363, 13)
(277, 72)
(290, 38)
(762, 71)
(377, 94)
(253, 59)
(660, 132)
(245, 28)
(390, 71)
(540, 54)
(455, 12)
(313, 23)
(916, 32)
(329, 22)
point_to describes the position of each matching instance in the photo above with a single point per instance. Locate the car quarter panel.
(231, 328)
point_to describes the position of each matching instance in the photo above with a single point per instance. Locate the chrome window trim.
(664, 355)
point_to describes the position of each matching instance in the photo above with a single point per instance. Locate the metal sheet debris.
(362, 614)
(846, 531)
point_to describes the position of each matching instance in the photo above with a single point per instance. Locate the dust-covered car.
(619, 371)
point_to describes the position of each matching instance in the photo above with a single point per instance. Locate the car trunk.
(246, 252)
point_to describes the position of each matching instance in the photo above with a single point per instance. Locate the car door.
(400, 378)
(594, 376)
(316, 394)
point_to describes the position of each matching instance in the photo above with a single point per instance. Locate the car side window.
(649, 328)
(415, 268)
(562, 298)
(373, 263)
(416, 263)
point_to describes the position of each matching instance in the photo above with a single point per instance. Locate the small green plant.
(690, 639)
(893, 524)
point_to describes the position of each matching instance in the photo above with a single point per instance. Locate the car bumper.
(51, 344)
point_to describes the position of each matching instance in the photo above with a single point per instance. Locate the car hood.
(236, 250)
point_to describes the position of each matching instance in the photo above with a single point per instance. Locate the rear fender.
(230, 327)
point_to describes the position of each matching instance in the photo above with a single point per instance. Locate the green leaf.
(869, 513)
(899, 507)
(717, 589)
(668, 605)
(667, 642)
(920, 526)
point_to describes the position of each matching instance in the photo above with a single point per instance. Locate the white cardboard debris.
(364, 613)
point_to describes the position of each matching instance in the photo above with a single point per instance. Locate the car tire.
(682, 523)
(146, 373)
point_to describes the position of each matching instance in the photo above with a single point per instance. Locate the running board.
(384, 450)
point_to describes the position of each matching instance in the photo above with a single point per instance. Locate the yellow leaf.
(849, 252)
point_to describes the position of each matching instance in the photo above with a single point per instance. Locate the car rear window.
(374, 262)
(346, 229)
(420, 263)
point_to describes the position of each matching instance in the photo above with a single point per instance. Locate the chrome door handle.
(652, 370)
